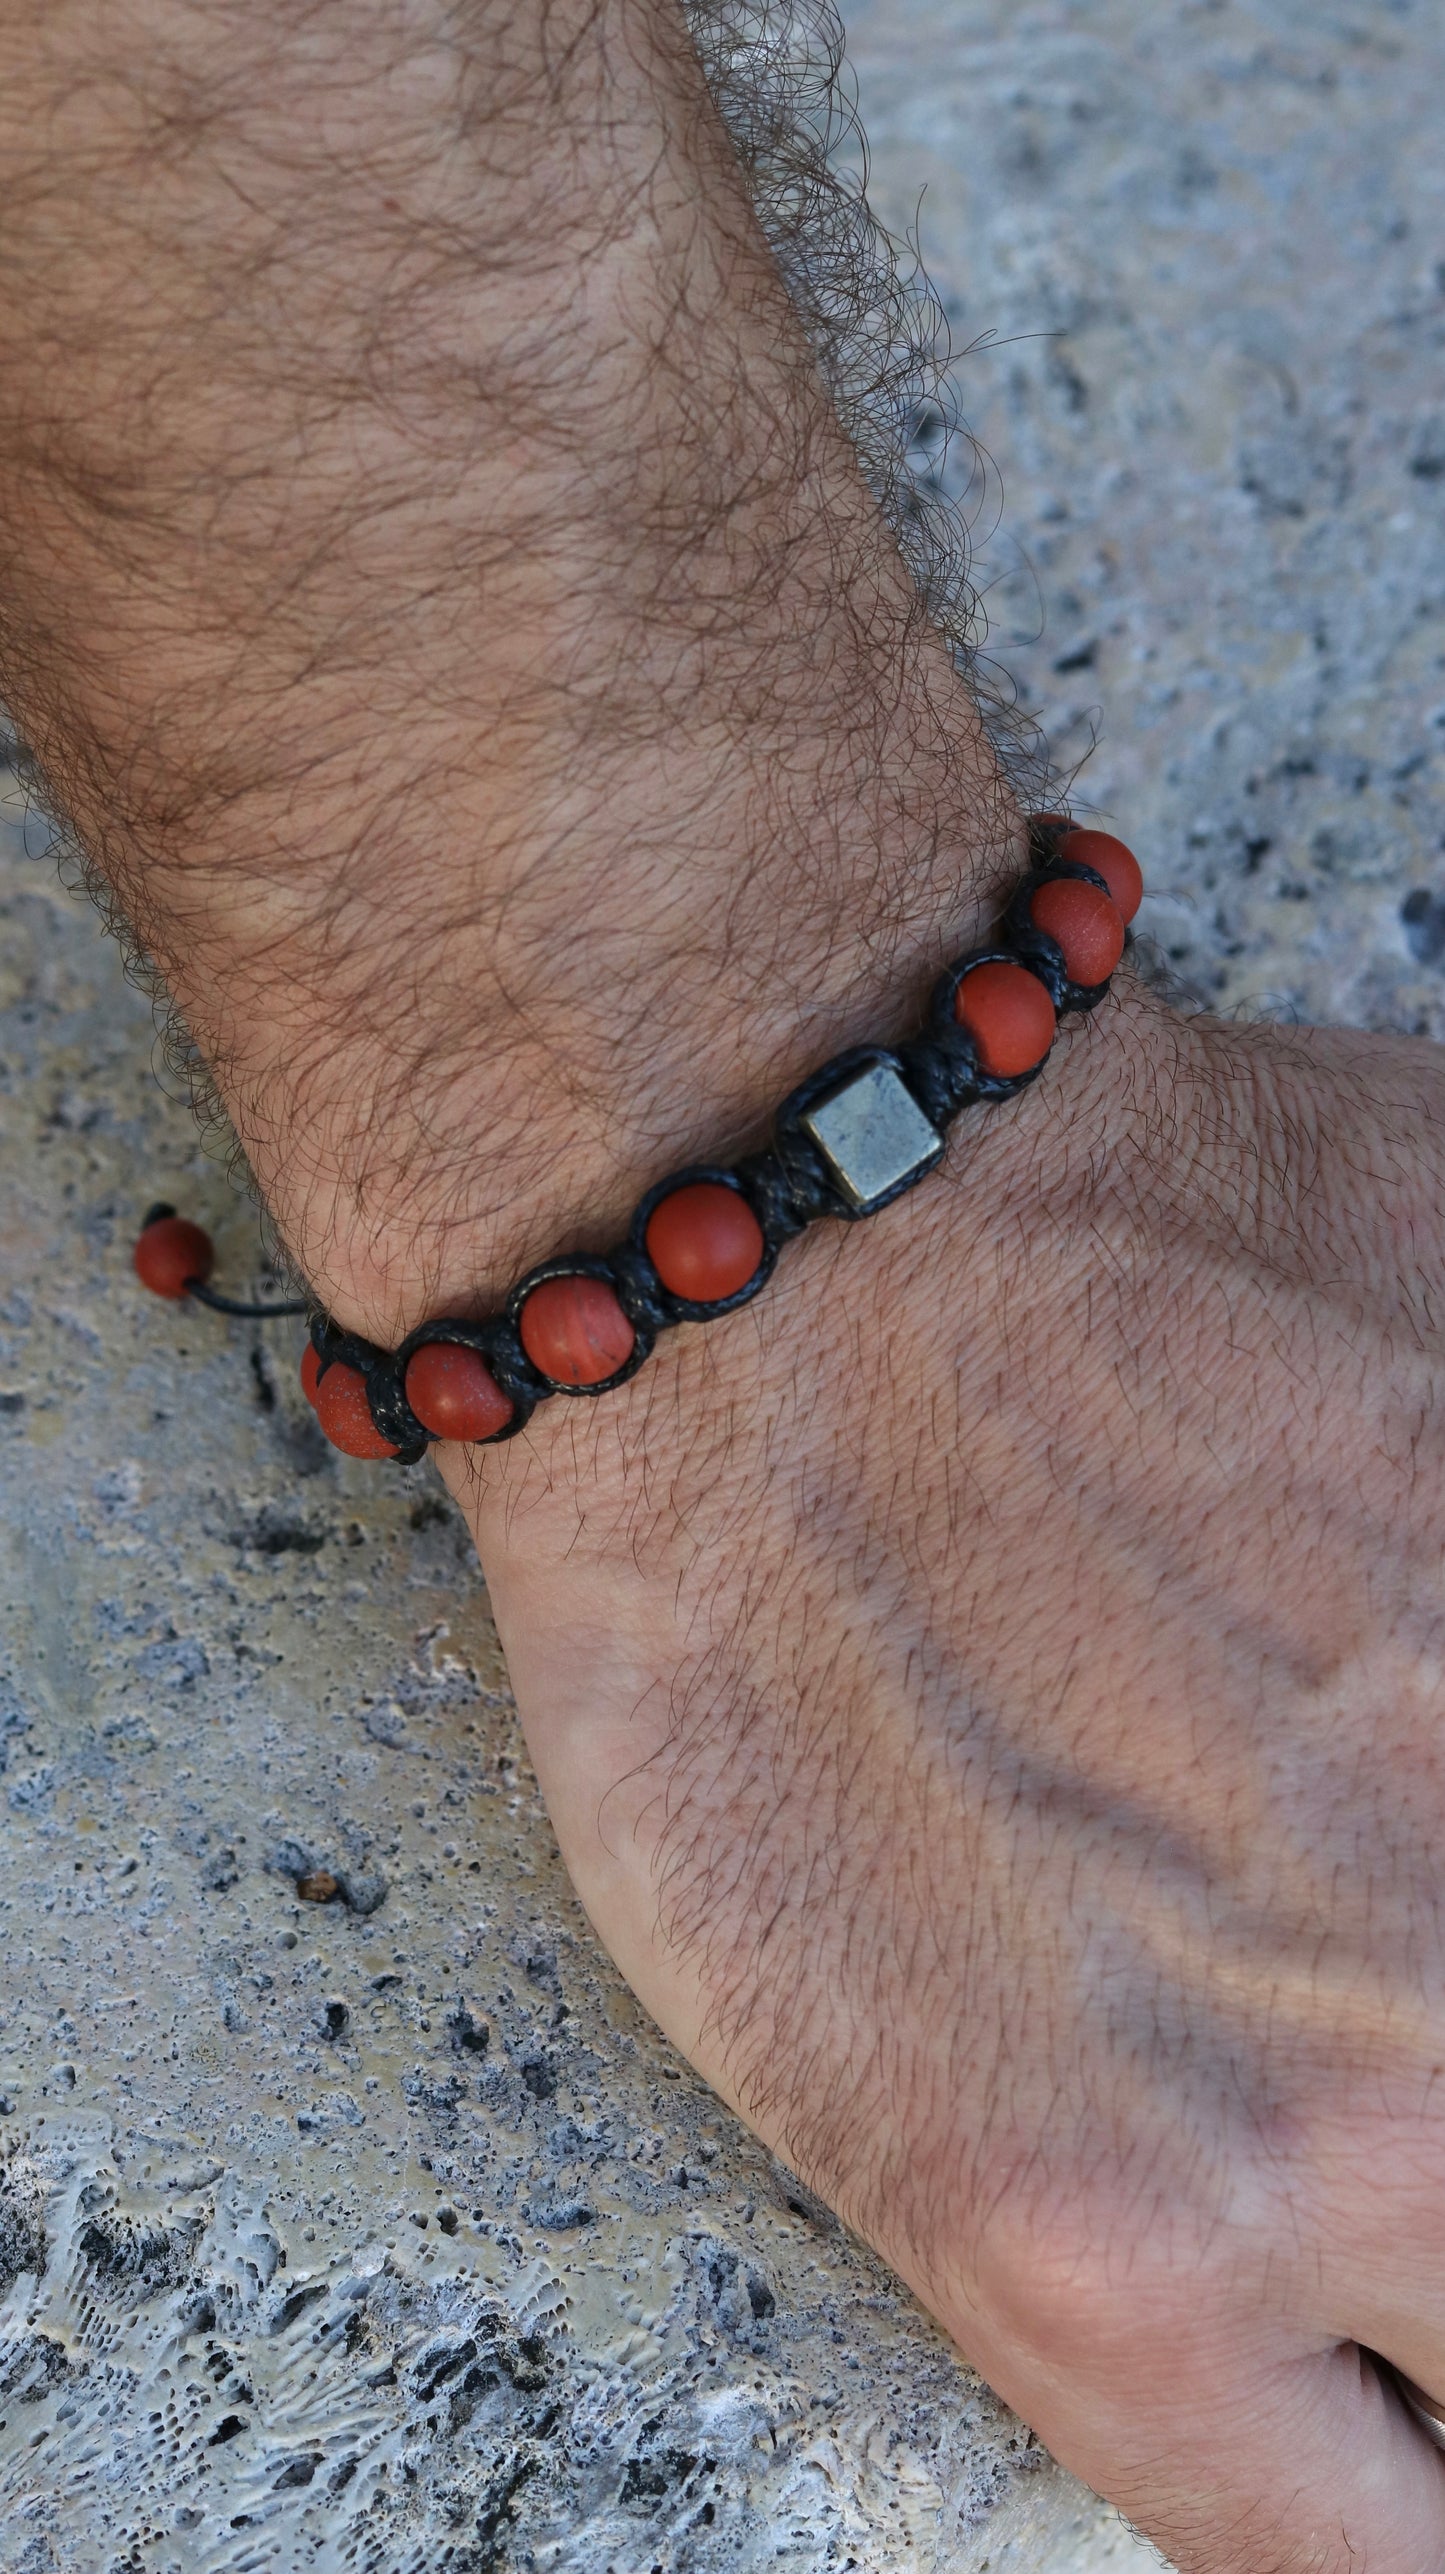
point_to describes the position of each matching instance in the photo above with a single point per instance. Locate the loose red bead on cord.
(345, 1415)
(574, 1330)
(704, 1241)
(170, 1253)
(1085, 923)
(1008, 1014)
(1112, 859)
(310, 1373)
(453, 1392)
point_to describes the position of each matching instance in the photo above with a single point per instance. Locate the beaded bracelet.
(866, 1127)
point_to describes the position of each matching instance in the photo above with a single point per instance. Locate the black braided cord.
(251, 1309)
(788, 1186)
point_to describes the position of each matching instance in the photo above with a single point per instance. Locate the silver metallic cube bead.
(874, 1136)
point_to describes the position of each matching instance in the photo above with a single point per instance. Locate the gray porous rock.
(1192, 258)
(385, 2233)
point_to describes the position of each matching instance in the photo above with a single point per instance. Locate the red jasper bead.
(1086, 925)
(453, 1392)
(1008, 1014)
(310, 1372)
(345, 1415)
(1112, 859)
(704, 1241)
(575, 1330)
(170, 1253)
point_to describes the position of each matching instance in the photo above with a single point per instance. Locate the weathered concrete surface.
(386, 2233)
(1195, 253)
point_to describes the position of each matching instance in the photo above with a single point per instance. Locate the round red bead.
(704, 1241)
(575, 1331)
(310, 1372)
(1008, 1014)
(345, 1415)
(1085, 924)
(1112, 859)
(453, 1392)
(170, 1253)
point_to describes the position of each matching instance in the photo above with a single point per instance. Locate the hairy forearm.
(304, 307)
(440, 595)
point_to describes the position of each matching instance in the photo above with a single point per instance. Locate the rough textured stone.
(382, 2231)
(1194, 259)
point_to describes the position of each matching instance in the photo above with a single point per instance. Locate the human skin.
(987, 1691)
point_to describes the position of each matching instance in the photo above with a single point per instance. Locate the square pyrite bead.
(874, 1137)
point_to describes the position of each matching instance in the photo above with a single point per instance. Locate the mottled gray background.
(386, 2234)
(1194, 258)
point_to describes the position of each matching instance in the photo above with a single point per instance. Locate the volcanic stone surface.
(1193, 262)
(384, 2232)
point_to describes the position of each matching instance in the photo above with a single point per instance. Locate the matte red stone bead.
(1112, 859)
(310, 1371)
(170, 1253)
(1085, 924)
(575, 1330)
(453, 1392)
(704, 1241)
(1009, 1016)
(345, 1415)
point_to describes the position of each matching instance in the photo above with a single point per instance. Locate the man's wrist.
(862, 1131)
(431, 1108)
